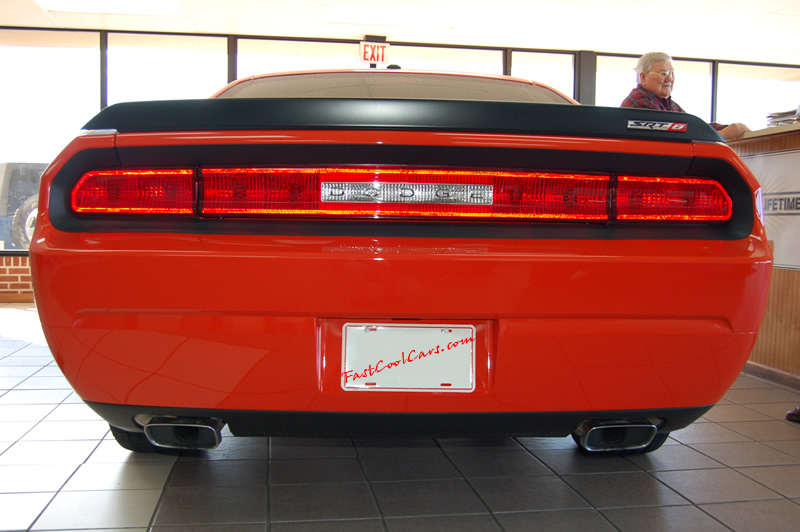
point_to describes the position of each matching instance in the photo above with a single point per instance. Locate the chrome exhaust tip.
(622, 436)
(184, 433)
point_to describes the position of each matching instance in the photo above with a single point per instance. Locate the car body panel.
(246, 315)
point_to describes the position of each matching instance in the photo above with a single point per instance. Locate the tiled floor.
(736, 469)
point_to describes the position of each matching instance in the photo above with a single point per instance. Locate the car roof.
(392, 84)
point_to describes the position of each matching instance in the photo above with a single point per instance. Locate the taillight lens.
(400, 193)
(646, 198)
(135, 192)
(395, 192)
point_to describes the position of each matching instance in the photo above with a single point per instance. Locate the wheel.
(658, 441)
(133, 441)
(24, 222)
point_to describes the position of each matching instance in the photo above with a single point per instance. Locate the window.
(165, 67)
(749, 93)
(259, 56)
(447, 59)
(556, 70)
(50, 89)
(692, 90)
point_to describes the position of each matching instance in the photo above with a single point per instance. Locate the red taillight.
(135, 192)
(400, 193)
(393, 192)
(655, 198)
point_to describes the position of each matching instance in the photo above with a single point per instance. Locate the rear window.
(392, 85)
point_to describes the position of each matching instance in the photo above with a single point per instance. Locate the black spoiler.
(418, 115)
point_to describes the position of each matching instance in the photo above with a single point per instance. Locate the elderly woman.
(656, 77)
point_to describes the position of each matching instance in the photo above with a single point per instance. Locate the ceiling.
(738, 30)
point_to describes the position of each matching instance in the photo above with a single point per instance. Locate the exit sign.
(373, 52)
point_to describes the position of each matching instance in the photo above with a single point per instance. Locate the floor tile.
(536, 444)
(99, 509)
(714, 485)
(218, 473)
(766, 430)
(119, 476)
(707, 433)
(49, 452)
(747, 396)
(311, 448)
(109, 451)
(18, 511)
(613, 490)
(523, 494)
(351, 525)
(745, 454)
(781, 479)
(14, 430)
(44, 383)
(473, 463)
(726, 413)
(426, 498)
(67, 430)
(572, 461)
(233, 448)
(212, 505)
(72, 412)
(557, 521)
(25, 412)
(757, 516)
(395, 446)
(314, 470)
(331, 501)
(663, 519)
(34, 397)
(791, 447)
(425, 466)
(674, 457)
(456, 523)
(34, 478)
(773, 410)
(484, 444)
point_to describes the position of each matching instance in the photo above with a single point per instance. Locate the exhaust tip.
(616, 436)
(184, 433)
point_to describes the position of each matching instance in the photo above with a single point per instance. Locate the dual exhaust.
(197, 434)
(205, 434)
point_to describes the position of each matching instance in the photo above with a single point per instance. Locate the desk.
(773, 155)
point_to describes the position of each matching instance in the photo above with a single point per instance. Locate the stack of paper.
(783, 119)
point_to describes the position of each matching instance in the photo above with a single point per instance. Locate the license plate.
(410, 358)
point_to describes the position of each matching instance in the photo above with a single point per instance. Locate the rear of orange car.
(353, 266)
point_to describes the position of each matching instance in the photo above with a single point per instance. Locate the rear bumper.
(441, 425)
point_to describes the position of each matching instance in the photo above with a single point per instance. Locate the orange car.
(367, 253)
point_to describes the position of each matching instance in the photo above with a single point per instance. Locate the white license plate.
(411, 358)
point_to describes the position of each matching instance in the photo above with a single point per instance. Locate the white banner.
(779, 175)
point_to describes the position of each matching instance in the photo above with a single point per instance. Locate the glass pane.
(748, 94)
(556, 70)
(692, 89)
(447, 59)
(165, 67)
(50, 89)
(258, 56)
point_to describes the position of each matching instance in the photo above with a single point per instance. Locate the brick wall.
(15, 279)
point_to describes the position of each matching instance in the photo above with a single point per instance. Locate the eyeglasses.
(665, 74)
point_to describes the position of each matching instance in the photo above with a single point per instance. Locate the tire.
(24, 222)
(133, 441)
(658, 441)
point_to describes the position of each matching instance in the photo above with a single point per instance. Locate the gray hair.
(647, 61)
